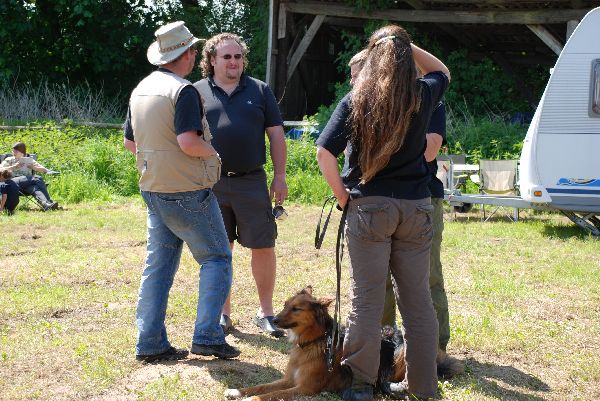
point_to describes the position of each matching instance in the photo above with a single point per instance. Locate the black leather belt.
(233, 174)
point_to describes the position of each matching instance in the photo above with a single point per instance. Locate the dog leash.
(320, 235)
(334, 339)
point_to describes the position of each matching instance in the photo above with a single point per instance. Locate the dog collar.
(307, 343)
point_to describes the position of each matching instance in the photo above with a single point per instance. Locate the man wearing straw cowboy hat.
(178, 166)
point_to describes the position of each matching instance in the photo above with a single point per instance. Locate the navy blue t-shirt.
(188, 113)
(437, 125)
(406, 175)
(11, 189)
(238, 121)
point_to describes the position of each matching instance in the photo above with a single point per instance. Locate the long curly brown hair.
(384, 99)
(210, 50)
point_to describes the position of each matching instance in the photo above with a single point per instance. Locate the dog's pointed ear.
(307, 290)
(325, 301)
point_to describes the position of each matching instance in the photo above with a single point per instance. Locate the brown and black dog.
(309, 323)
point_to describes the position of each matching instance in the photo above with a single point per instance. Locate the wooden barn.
(305, 38)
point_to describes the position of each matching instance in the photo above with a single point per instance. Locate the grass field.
(524, 305)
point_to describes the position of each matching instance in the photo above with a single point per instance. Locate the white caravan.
(560, 161)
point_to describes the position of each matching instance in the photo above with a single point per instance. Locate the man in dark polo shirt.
(239, 110)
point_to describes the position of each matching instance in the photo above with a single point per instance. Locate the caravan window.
(595, 95)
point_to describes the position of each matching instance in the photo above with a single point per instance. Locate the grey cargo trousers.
(386, 234)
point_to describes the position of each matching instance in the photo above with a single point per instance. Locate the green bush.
(92, 162)
(78, 187)
(94, 165)
(305, 183)
(489, 137)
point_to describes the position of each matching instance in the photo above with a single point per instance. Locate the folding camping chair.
(26, 200)
(455, 180)
(443, 170)
(499, 178)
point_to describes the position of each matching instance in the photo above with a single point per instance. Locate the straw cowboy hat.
(172, 40)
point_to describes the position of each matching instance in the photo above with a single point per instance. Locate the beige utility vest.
(162, 165)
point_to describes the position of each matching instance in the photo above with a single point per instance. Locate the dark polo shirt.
(238, 121)
(406, 175)
(437, 125)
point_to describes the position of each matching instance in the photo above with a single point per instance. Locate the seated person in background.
(22, 168)
(9, 192)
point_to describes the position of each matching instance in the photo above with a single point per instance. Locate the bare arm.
(279, 189)
(427, 62)
(329, 168)
(35, 166)
(193, 145)
(434, 143)
(130, 145)
(3, 201)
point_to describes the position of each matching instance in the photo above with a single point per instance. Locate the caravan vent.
(595, 89)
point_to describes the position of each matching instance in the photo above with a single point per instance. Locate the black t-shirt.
(238, 121)
(11, 189)
(406, 175)
(188, 113)
(437, 125)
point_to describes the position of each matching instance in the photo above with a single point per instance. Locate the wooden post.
(546, 37)
(304, 43)
(571, 25)
(283, 48)
(270, 45)
(282, 21)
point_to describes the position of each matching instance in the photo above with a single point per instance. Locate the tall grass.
(94, 165)
(44, 101)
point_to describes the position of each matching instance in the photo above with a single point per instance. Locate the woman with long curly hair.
(382, 122)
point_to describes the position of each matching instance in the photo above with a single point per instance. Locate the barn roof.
(512, 33)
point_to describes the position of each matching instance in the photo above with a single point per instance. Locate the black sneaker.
(266, 324)
(222, 351)
(172, 354)
(362, 392)
(226, 324)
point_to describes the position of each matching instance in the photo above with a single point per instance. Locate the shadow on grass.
(263, 341)
(235, 373)
(565, 232)
(488, 378)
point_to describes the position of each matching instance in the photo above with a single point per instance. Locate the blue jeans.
(174, 218)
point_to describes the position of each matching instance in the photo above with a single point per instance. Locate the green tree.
(247, 18)
(76, 41)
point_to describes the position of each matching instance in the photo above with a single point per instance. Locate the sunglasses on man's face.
(229, 56)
